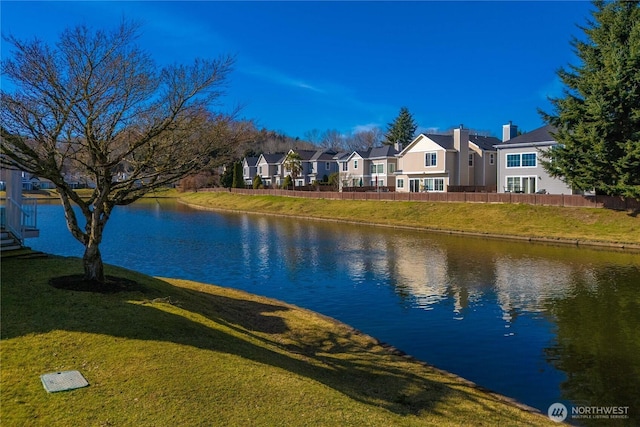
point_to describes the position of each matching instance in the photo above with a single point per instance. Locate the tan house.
(433, 162)
(374, 167)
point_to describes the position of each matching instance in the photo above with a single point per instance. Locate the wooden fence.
(565, 200)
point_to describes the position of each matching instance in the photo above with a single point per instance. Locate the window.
(345, 166)
(431, 159)
(391, 167)
(529, 159)
(381, 168)
(372, 168)
(525, 160)
(434, 184)
(470, 159)
(400, 183)
(492, 159)
(327, 165)
(355, 164)
(521, 184)
(260, 170)
(513, 160)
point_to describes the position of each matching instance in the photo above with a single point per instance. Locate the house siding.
(542, 178)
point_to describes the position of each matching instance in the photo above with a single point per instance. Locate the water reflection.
(538, 323)
(597, 338)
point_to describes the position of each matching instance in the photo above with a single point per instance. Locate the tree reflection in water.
(597, 340)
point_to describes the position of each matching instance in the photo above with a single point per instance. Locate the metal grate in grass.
(62, 381)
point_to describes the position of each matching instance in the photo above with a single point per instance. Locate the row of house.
(431, 162)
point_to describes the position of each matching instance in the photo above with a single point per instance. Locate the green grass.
(517, 220)
(183, 353)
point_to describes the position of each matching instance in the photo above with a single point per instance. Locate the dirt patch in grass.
(112, 284)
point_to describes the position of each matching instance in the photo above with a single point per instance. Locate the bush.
(257, 182)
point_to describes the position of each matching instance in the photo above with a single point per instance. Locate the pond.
(538, 323)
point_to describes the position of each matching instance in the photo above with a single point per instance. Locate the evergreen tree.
(257, 182)
(226, 179)
(238, 180)
(402, 129)
(598, 117)
(288, 182)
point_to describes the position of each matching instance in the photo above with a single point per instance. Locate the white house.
(519, 167)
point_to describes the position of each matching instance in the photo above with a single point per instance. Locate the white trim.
(520, 165)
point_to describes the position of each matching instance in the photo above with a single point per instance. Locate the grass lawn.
(519, 220)
(183, 354)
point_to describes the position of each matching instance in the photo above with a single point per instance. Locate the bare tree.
(313, 136)
(364, 139)
(97, 104)
(331, 139)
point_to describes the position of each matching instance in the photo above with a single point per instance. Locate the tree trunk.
(92, 261)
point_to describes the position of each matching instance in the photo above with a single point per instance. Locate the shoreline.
(540, 240)
(231, 337)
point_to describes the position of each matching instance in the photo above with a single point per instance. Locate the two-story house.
(269, 168)
(249, 170)
(433, 162)
(374, 167)
(519, 167)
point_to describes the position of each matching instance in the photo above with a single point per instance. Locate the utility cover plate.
(62, 381)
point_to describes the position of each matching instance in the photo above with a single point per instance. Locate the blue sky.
(351, 65)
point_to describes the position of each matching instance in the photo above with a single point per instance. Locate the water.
(538, 323)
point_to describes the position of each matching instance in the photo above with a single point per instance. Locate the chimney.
(509, 131)
(461, 144)
(398, 146)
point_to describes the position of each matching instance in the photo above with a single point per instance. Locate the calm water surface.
(538, 323)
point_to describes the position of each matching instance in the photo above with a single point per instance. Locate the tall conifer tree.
(598, 117)
(402, 129)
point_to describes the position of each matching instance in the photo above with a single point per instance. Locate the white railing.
(18, 218)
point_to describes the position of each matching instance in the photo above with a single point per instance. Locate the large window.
(400, 183)
(513, 160)
(434, 184)
(345, 166)
(431, 159)
(377, 168)
(526, 160)
(529, 159)
(521, 184)
(392, 168)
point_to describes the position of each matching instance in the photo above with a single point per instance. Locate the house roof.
(251, 161)
(380, 152)
(323, 155)
(304, 154)
(342, 156)
(273, 158)
(446, 141)
(486, 143)
(376, 152)
(542, 134)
